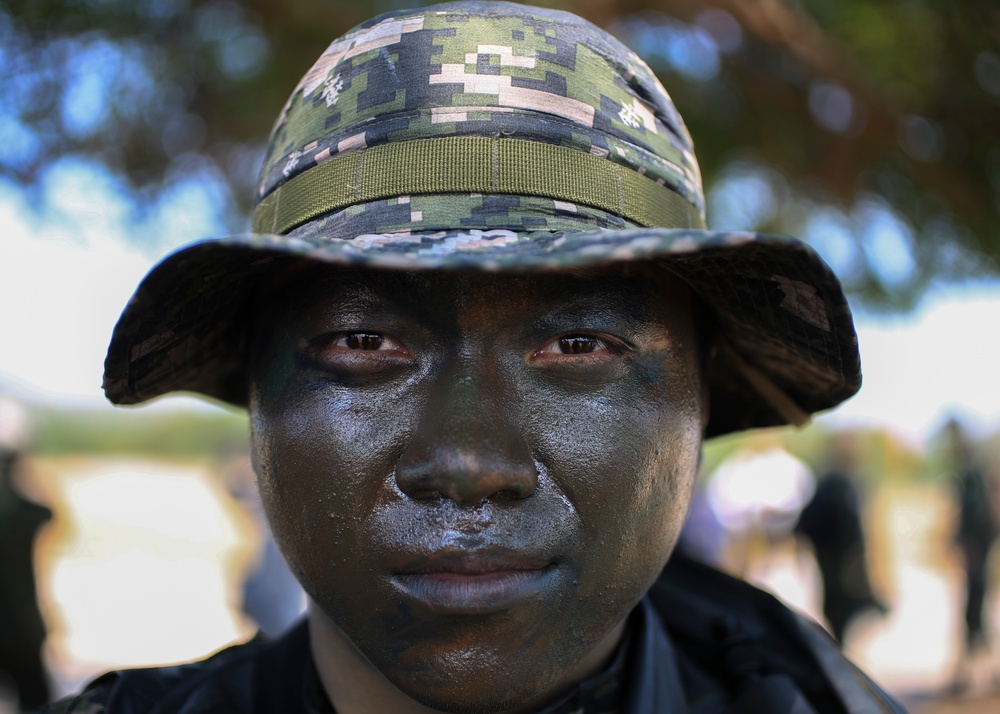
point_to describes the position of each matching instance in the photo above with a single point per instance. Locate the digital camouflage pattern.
(504, 72)
(483, 69)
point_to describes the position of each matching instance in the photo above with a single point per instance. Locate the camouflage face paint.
(476, 477)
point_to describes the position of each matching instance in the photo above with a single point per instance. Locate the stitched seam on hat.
(275, 215)
(495, 168)
(359, 165)
(621, 189)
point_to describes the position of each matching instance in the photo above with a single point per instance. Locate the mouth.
(473, 584)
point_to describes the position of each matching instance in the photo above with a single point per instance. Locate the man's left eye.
(574, 345)
(367, 341)
(363, 342)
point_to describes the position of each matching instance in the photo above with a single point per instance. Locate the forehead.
(637, 291)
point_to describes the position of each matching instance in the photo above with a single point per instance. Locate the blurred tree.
(869, 127)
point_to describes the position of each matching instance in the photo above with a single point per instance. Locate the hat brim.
(778, 307)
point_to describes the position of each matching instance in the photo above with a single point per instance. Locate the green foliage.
(871, 125)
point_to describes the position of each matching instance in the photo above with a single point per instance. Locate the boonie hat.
(491, 136)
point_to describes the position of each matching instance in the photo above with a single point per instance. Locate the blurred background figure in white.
(757, 494)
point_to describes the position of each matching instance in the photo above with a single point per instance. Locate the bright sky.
(65, 279)
(61, 298)
(941, 359)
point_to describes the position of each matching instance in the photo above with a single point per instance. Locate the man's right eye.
(348, 347)
(367, 341)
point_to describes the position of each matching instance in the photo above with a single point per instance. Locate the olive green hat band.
(473, 164)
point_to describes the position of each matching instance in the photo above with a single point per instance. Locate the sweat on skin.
(476, 477)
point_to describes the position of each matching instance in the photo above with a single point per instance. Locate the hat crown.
(483, 69)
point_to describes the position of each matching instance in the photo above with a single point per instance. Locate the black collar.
(642, 677)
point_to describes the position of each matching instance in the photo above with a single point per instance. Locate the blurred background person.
(832, 523)
(22, 630)
(975, 532)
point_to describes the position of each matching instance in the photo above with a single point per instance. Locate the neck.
(354, 686)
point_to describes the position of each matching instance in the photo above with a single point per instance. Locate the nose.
(465, 447)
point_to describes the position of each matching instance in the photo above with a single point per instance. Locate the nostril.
(418, 486)
(518, 488)
(425, 494)
(466, 487)
(466, 474)
(513, 494)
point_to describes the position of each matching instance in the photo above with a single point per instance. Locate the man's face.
(476, 477)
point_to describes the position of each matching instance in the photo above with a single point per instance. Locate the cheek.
(627, 459)
(667, 444)
(322, 463)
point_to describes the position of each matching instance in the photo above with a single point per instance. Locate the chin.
(474, 680)
(456, 699)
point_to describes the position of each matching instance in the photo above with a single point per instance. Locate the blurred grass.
(217, 434)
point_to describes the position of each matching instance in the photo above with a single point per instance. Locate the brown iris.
(363, 341)
(578, 344)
